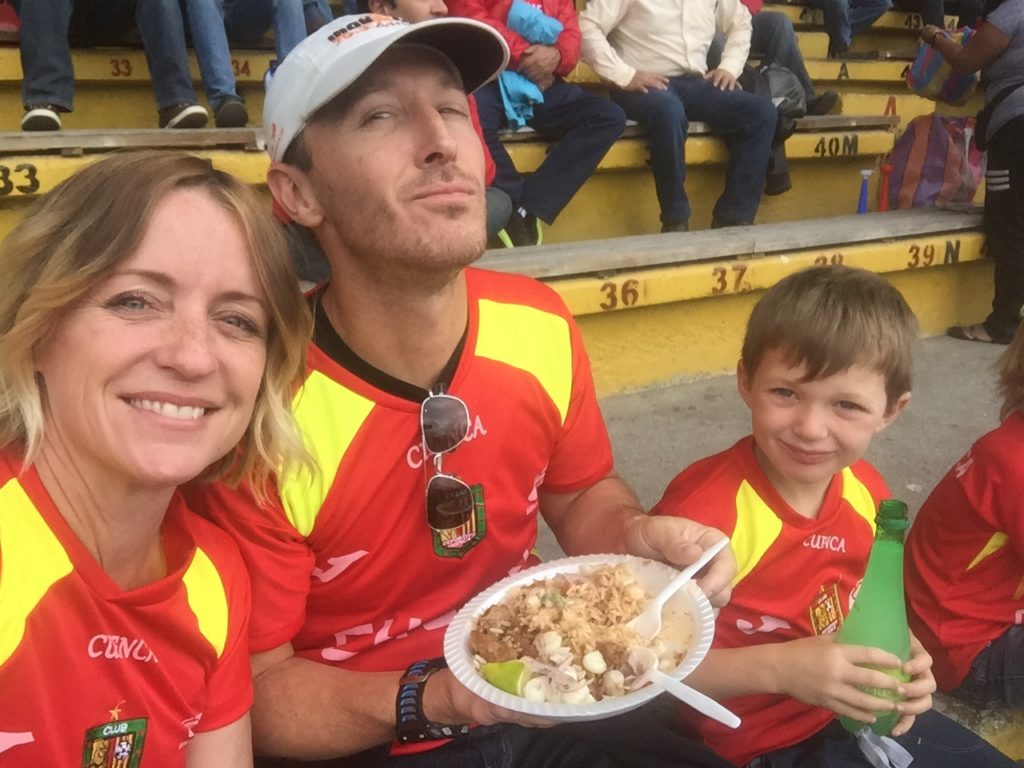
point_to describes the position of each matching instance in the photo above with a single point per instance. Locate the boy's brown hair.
(831, 318)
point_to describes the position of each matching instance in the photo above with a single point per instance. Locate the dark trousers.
(1004, 227)
(996, 677)
(846, 18)
(746, 122)
(46, 55)
(934, 11)
(773, 40)
(644, 738)
(584, 124)
(935, 741)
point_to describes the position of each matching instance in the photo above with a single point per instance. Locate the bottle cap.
(893, 515)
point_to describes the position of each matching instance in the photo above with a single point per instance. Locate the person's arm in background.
(981, 50)
(568, 43)
(596, 21)
(734, 20)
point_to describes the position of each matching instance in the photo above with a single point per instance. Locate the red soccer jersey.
(92, 675)
(495, 13)
(964, 570)
(795, 578)
(345, 566)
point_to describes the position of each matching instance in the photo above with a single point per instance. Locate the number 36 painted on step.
(22, 178)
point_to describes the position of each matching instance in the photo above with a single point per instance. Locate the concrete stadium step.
(905, 106)
(663, 308)
(828, 153)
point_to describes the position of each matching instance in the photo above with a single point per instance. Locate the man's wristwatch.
(411, 725)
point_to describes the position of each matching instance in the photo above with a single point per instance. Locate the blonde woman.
(151, 329)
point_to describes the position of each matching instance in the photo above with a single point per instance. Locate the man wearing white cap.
(358, 568)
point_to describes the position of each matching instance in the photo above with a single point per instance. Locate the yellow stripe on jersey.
(859, 497)
(532, 340)
(207, 599)
(32, 560)
(993, 545)
(757, 528)
(329, 415)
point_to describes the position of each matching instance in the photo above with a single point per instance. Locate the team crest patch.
(826, 613)
(115, 744)
(456, 542)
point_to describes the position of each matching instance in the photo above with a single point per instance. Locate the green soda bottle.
(878, 617)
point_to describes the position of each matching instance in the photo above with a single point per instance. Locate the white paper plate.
(651, 574)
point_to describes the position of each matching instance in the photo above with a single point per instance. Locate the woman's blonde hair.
(1011, 375)
(73, 238)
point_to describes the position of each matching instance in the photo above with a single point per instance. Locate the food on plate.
(564, 639)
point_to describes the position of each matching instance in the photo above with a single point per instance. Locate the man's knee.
(660, 109)
(773, 25)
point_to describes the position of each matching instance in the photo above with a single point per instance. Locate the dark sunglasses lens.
(445, 422)
(449, 502)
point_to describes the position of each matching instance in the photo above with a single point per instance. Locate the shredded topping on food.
(569, 632)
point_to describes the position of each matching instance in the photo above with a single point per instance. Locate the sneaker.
(41, 117)
(231, 113)
(777, 183)
(679, 226)
(523, 228)
(183, 116)
(822, 104)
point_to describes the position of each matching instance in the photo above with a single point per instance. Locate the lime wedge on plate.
(509, 676)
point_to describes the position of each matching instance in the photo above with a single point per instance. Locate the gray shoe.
(231, 113)
(41, 117)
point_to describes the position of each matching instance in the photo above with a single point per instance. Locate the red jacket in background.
(495, 12)
(753, 5)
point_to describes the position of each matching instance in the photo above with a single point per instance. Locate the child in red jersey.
(965, 559)
(826, 365)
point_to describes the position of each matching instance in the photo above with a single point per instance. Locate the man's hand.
(824, 673)
(917, 693)
(643, 82)
(446, 700)
(679, 541)
(722, 80)
(539, 62)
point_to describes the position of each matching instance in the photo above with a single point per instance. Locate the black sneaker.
(777, 183)
(679, 226)
(41, 117)
(183, 116)
(822, 104)
(523, 228)
(231, 113)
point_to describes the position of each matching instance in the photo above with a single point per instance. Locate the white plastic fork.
(648, 623)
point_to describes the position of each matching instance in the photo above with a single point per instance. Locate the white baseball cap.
(332, 58)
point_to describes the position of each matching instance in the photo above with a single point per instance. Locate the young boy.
(826, 364)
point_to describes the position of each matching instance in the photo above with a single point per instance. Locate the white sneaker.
(42, 118)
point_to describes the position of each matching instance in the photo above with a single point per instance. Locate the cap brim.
(478, 51)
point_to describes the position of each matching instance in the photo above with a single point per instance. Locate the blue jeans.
(846, 18)
(773, 40)
(746, 122)
(997, 673)
(585, 124)
(935, 741)
(46, 55)
(213, 22)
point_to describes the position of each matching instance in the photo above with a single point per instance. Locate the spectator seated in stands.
(49, 85)
(846, 18)
(584, 124)
(216, 24)
(773, 40)
(664, 83)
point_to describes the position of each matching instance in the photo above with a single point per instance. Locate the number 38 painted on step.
(24, 173)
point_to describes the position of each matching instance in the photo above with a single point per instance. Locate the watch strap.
(411, 725)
